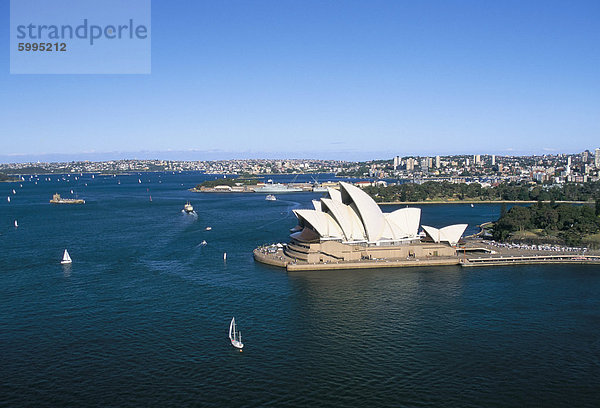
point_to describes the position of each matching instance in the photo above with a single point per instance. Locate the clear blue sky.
(328, 79)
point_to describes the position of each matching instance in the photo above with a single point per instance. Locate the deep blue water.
(141, 316)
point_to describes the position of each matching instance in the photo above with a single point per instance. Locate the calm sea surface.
(141, 316)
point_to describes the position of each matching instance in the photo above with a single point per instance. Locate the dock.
(531, 260)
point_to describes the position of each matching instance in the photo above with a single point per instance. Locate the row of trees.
(432, 190)
(227, 182)
(568, 223)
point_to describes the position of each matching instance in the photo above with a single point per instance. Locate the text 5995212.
(46, 47)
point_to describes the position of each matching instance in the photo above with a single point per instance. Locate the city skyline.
(314, 79)
(198, 155)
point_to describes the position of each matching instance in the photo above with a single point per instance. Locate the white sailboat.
(235, 337)
(66, 258)
(16, 224)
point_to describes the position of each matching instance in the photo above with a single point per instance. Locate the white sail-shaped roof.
(351, 215)
(334, 194)
(368, 211)
(405, 220)
(347, 219)
(450, 234)
(322, 222)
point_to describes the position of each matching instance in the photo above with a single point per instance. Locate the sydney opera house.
(349, 226)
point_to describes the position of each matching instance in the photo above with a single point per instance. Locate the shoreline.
(480, 254)
(481, 202)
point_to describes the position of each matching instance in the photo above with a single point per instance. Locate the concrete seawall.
(278, 259)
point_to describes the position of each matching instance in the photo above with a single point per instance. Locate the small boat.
(270, 197)
(472, 205)
(208, 228)
(66, 258)
(235, 337)
(14, 192)
(188, 208)
(140, 181)
(150, 198)
(203, 243)
(8, 198)
(16, 224)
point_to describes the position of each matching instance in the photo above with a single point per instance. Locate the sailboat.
(16, 224)
(8, 198)
(66, 258)
(236, 338)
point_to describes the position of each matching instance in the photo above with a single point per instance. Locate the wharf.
(258, 188)
(532, 259)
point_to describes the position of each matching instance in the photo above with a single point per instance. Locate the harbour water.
(141, 316)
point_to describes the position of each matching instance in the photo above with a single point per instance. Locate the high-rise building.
(410, 164)
(584, 156)
(425, 164)
(569, 161)
(467, 162)
(477, 159)
(597, 158)
(493, 159)
(437, 162)
(396, 162)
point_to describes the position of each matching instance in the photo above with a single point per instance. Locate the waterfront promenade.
(475, 253)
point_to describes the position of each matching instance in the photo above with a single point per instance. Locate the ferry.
(277, 188)
(57, 199)
(188, 208)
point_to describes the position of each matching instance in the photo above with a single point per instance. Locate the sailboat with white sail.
(66, 258)
(235, 337)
